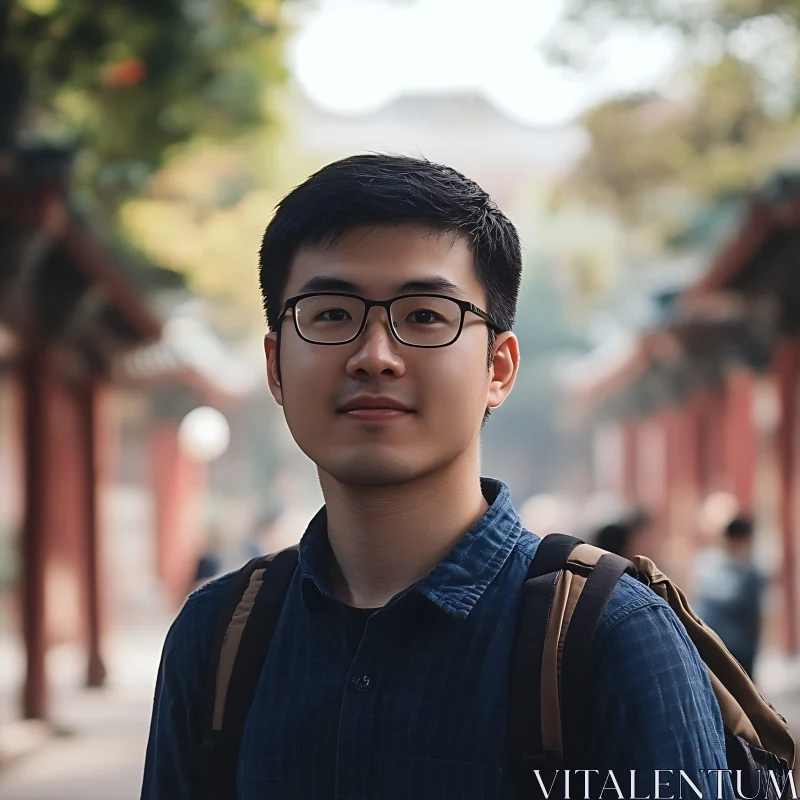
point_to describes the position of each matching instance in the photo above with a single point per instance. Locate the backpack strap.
(247, 619)
(552, 554)
(527, 739)
(567, 587)
(575, 678)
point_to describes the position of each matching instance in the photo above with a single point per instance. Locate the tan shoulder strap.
(231, 642)
(247, 618)
(568, 592)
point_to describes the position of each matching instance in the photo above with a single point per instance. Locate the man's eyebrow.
(434, 284)
(327, 283)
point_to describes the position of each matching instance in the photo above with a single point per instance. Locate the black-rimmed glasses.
(417, 320)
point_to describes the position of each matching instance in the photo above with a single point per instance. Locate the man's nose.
(378, 350)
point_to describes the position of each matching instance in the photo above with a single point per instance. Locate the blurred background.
(647, 152)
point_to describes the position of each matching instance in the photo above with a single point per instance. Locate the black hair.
(375, 189)
(739, 528)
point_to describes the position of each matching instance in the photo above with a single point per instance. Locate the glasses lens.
(426, 321)
(328, 319)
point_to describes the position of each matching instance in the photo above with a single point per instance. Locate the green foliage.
(720, 139)
(692, 18)
(732, 121)
(127, 79)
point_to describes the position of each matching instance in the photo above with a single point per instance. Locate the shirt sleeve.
(172, 769)
(656, 709)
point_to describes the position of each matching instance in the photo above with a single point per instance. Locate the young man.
(390, 286)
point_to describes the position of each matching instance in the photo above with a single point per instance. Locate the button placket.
(358, 716)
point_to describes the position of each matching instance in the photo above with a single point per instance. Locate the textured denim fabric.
(421, 710)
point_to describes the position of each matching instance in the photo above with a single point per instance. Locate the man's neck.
(385, 538)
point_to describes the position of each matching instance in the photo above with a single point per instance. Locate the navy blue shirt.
(418, 708)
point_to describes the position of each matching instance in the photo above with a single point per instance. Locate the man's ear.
(505, 366)
(273, 379)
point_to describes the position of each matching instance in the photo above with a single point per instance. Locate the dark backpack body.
(566, 589)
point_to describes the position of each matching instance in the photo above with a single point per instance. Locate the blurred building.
(93, 388)
(461, 129)
(706, 400)
(66, 312)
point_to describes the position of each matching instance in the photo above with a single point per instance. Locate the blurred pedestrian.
(729, 591)
(624, 536)
(209, 563)
(262, 537)
(614, 538)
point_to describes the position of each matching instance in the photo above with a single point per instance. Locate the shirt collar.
(457, 582)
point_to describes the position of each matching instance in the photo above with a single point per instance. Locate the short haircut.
(739, 528)
(377, 189)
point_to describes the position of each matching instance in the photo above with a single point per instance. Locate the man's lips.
(374, 404)
(376, 414)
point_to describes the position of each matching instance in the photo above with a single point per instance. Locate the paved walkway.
(101, 754)
(102, 758)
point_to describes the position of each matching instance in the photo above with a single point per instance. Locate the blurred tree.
(127, 79)
(693, 18)
(204, 213)
(167, 107)
(730, 119)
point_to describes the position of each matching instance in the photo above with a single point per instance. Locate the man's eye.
(423, 316)
(334, 315)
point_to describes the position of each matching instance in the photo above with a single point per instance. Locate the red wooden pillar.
(178, 486)
(786, 365)
(702, 410)
(716, 460)
(63, 497)
(651, 459)
(37, 388)
(694, 464)
(740, 437)
(682, 486)
(92, 429)
(629, 461)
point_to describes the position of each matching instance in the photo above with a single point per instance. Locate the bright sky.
(355, 56)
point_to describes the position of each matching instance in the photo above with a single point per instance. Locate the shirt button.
(362, 683)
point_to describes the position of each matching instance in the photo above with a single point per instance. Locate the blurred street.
(99, 756)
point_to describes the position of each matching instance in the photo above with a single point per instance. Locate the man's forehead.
(397, 259)
(399, 234)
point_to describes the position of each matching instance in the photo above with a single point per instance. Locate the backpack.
(567, 587)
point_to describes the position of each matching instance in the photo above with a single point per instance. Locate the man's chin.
(373, 469)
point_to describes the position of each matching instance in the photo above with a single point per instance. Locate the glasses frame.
(464, 305)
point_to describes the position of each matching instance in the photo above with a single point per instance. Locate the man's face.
(445, 390)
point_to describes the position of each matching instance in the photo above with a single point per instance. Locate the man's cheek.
(461, 384)
(452, 399)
